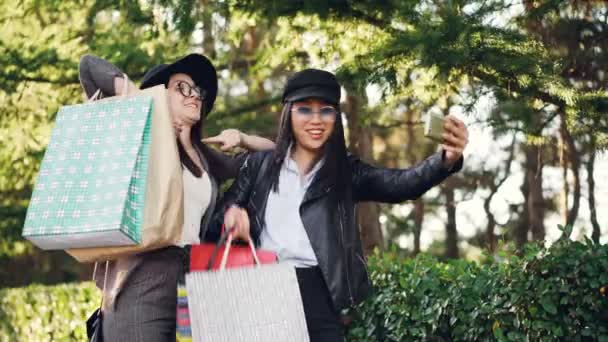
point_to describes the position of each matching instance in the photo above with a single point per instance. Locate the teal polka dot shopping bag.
(93, 187)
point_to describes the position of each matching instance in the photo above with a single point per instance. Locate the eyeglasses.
(326, 112)
(188, 90)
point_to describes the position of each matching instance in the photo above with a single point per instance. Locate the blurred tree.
(458, 40)
(575, 33)
(544, 65)
(40, 45)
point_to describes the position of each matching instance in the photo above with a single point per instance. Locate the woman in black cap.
(299, 200)
(141, 291)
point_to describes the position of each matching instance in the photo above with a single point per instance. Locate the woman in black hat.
(299, 200)
(141, 291)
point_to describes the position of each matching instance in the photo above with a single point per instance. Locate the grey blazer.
(97, 73)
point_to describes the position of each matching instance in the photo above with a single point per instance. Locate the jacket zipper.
(256, 213)
(350, 293)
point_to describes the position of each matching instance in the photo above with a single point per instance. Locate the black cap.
(194, 65)
(312, 83)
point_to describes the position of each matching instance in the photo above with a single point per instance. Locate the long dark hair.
(195, 137)
(336, 166)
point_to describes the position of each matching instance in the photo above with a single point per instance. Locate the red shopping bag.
(204, 257)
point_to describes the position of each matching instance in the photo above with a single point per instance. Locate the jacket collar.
(290, 165)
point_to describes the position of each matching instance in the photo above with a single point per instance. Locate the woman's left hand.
(237, 220)
(455, 140)
(229, 139)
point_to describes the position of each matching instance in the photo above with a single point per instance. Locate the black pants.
(321, 318)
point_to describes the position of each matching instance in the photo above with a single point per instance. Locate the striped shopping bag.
(244, 304)
(184, 330)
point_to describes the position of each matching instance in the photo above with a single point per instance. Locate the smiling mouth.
(315, 133)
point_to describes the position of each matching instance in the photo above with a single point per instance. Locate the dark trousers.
(321, 318)
(145, 310)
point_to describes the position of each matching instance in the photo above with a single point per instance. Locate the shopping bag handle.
(105, 279)
(125, 88)
(227, 238)
(221, 241)
(227, 249)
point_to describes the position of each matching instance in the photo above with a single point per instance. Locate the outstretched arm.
(380, 184)
(231, 138)
(372, 183)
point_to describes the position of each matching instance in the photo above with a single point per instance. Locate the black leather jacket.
(330, 223)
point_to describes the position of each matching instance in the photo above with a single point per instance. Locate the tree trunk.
(419, 203)
(489, 179)
(418, 220)
(595, 235)
(574, 161)
(536, 205)
(451, 238)
(523, 226)
(451, 242)
(490, 227)
(563, 163)
(369, 226)
(361, 143)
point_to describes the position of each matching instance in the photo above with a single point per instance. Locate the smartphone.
(433, 126)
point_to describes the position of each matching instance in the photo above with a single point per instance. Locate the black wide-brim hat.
(195, 65)
(312, 83)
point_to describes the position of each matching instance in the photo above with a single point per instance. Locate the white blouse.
(284, 233)
(197, 196)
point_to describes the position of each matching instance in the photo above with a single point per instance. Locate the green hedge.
(546, 295)
(47, 313)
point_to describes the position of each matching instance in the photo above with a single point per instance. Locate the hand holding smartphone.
(451, 134)
(433, 126)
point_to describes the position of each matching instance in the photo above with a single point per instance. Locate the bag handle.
(226, 239)
(105, 279)
(96, 95)
(125, 87)
(227, 250)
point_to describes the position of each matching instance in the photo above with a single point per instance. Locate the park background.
(529, 77)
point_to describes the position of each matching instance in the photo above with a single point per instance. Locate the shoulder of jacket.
(353, 159)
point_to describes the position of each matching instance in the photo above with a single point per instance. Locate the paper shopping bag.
(254, 304)
(163, 213)
(91, 186)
